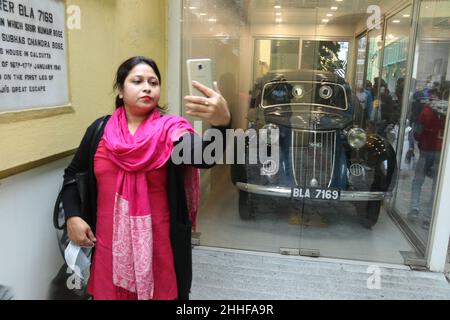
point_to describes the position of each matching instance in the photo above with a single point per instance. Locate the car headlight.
(325, 92)
(273, 134)
(357, 138)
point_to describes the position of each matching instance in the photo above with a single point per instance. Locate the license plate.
(316, 193)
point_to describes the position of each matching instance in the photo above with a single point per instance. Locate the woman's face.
(141, 90)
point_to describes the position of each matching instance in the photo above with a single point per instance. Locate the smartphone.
(199, 70)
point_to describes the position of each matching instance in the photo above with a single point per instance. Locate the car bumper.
(285, 192)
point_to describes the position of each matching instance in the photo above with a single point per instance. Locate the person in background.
(420, 99)
(429, 133)
(386, 112)
(365, 101)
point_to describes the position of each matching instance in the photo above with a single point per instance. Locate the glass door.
(364, 101)
(275, 54)
(344, 160)
(286, 69)
(393, 74)
(427, 109)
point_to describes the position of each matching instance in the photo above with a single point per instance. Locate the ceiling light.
(278, 13)
(277, 6)
(325, 20)
(406, 16)
(395, 21)
(329, 14)
(202, 14)
(212, 20)
(278, 20)
(334, 8)
(192, 8)
(339, 0)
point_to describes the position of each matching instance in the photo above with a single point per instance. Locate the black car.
(323, 154)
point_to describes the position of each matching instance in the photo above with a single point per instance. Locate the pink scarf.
(149, 149)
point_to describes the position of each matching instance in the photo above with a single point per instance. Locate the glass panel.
(263, 58)
(277, 54)
(325, 55)
(427, 111)
(254, 47)
(284, 54)
(375, 43)
(364, 99)
(374, 54)
(394, 73)
(229, 217)
(360, 61)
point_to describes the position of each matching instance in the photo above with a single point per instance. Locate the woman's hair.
(124, 71)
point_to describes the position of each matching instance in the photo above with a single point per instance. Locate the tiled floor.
(231, 274)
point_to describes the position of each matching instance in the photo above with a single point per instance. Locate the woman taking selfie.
(141, 206)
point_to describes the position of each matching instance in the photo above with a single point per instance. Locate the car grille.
(313, 156)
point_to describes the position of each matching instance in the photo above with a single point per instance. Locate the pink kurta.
(100, 284)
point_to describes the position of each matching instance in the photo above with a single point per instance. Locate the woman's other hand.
(212, 107)
(80, 233)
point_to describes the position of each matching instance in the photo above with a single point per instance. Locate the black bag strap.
(58, 202)
(94, 138)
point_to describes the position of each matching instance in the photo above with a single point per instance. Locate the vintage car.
(323, 154)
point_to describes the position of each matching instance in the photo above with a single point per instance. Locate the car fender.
(380, 155)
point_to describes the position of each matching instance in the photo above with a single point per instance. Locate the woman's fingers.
(213, 107)
(197, 108)
(201, 115)
(86, 243)
(91, 235)
(80, 233)
(207, 92)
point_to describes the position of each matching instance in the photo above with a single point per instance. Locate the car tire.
(238, 173)
(246, 207)
(368, 213)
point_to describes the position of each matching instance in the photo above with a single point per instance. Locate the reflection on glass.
(231, 216)
(262, 58)
(325, 56)
(364, 103)
(284, 54)
(393, 75)
(427, 111)
(275, 54)
(360, 61)
(375, 43)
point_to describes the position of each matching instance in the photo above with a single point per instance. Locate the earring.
(120, 96)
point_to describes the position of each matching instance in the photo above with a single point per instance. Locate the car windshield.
(305, 93)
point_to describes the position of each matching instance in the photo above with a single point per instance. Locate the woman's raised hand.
(212, 107)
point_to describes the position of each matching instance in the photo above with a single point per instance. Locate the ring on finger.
(206, 103)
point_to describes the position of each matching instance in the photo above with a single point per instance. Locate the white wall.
(29, 255)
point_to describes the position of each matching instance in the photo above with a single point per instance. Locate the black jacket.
(180, 225)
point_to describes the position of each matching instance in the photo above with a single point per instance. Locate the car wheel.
(368, 213)
(246, 207)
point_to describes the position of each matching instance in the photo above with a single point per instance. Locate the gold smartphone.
(199, 70)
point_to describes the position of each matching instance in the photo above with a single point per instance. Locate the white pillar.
(438, 241)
